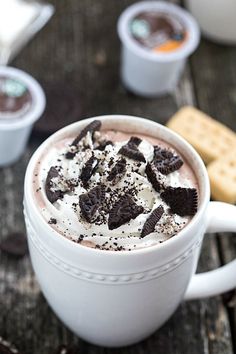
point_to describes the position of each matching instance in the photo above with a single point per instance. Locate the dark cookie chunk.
(134, 140)
(117, 171)
(165, 161)
(131, 150)
(103, 145)
(52, 195)
(71, 184)
(91, 127)
(88, 170)
(52, 221)
(70, 155)
(182, 201)
(152, 177)
(123, 211)
(152, 220)
(89, 202)
(132, 153)
(15, 245)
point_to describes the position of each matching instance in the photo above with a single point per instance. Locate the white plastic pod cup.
(14, 133)
(148, 73)
(115, 298)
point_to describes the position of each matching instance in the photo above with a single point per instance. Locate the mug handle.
(221, 217)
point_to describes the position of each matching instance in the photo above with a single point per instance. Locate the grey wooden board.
(80, 46)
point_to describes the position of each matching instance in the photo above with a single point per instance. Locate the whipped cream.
(65, 214)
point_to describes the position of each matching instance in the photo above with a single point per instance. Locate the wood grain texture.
(227, 244)
(215, 88)
(80, 48)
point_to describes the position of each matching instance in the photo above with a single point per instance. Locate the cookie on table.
(222, 175)
(209, 137)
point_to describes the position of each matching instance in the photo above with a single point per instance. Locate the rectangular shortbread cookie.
(222, 174)
(210, 138)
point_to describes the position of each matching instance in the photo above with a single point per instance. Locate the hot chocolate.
(114, 191)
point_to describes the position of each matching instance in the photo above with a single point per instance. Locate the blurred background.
(76, 59)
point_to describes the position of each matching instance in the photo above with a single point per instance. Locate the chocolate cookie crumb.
(134, 140)
(52, 221)
(152, 220)
(89, 169)
(91, 127)
(152, 177)
(165, 161)
(117, 171)
(15, 244)
(103, 145)
(52, 195)
(70, 155)
(89, 202)
(131, 150)
(123, 211)
(182, 201)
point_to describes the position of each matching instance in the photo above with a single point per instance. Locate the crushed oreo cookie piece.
(117, 171)
(52, 221)
(70, 155)
(89, 169)
(152, 220)
(165, 161)
(152, 177)
(182, 201)
(134, 140)
(15, 244)
(123, 211)
(52, 195)
(89, 202)
(103, 145)
(91, 127)
(131, 150)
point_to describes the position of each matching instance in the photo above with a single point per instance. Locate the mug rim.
(67, 243)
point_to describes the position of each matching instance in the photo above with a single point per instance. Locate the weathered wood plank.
(228, 249)
(213, 67)
(216, 94)
(80, 47)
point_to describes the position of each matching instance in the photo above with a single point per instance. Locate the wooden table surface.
(76, 59)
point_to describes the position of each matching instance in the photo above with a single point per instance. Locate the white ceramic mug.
(119, 298)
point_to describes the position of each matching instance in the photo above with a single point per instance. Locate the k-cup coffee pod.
(157, 37)
(217, 19)
(22, 102)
